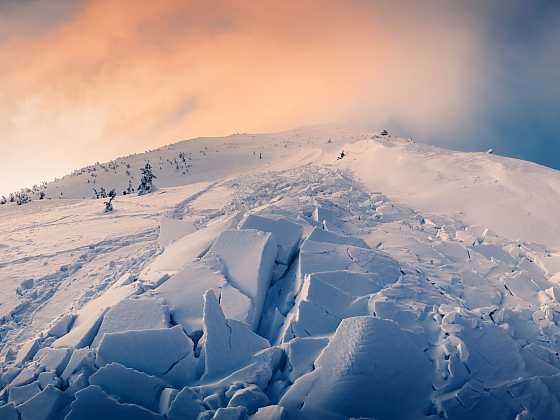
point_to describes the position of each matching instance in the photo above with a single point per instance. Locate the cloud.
(118, 77)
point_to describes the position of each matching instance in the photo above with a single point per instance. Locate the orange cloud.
(119, 77)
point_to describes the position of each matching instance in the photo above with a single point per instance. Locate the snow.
(171, 229)
(248, 256)
(54, 360)
(186, 405)
(230, 413)
(370, 368)
(132, 314)
(286, 234)
(223, 336)
(163, 349)
(20, 394)
(92, 403)
(271, 412)
(27, 351)
(129, 385)
(45, 405)
(62, 326)
(183, 294)
(250, 397)
(403, 281)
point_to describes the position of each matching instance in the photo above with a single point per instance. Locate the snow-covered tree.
(3, 200)
(146, 182)
(130, 188)
(22, 198)
(109, 204)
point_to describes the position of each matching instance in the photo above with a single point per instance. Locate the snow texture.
(401, 282)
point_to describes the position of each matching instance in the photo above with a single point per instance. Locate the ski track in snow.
(435, 319)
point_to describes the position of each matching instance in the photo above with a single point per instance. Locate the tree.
(146, 182)
(109, 204)
(22, 198)
(130, 188)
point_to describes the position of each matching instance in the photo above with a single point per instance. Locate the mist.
(95, 79)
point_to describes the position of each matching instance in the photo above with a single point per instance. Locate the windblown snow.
(266, 279)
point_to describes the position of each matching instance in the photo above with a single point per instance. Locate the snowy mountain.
(270, 276)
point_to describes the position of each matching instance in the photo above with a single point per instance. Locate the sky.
(89, 80)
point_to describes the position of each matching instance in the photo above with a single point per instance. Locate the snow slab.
(258, 371)
(186, 405)
(271, 412)
(230, 413)
(129, 385)
(92, 403)
(323, 256)
(53, 359)
(27, 351)
(286, 233)
(89, 317)
(45, 405)
(248, 256)
(171, 229)
(250, 397)
(152, 351)
(8, 412)
(370, 368)
(223, 336)
(81, 360)
(183, 251)
(183, 294)
(19, 394)
(321, 235)
(301, 354)
(133, 314)
(62, 325)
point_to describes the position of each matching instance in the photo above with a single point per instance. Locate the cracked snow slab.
(370, 368)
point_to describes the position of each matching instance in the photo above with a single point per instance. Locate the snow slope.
(266, 278)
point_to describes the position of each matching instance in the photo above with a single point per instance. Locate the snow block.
(248, 257)
(45, 405)
(27, 351)
(81, 360)
(129, 385)
(287, 234)
(19, 394)
(181, 252)
(49, 378)
(165, 399)
(133, 314)
(53, 359)
(8, 412)
(62, 325)
(89, 318)
(323, 256)
(92, 403)
(251, 397)
(225, 337)
(259, 372)
(370, 368)
(230, 413)
(186, 405)
(27, 374)
(325, 299)
(321, 235)
(153, 351)
(183, 295)
(171, 229)
(271, 412)
(301, 354)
